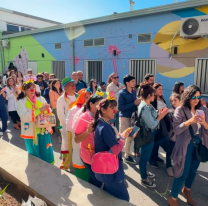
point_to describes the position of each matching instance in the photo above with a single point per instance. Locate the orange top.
(53, 98)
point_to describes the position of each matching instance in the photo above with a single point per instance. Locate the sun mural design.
(118, 48)
(182, 63)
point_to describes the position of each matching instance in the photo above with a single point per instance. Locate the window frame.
(144, 42)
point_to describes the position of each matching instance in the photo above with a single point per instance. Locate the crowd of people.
(91, 120)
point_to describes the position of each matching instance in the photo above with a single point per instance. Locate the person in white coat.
(12, 90)
(64, 104)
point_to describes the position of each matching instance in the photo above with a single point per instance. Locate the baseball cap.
(67, 80)
(29, 70)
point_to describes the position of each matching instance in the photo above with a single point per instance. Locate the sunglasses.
(116, 77)
(195, 97)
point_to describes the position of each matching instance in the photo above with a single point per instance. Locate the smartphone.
(199, 112)
(134, 130)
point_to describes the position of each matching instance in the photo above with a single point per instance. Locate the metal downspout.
(2, 60)
(72, 49)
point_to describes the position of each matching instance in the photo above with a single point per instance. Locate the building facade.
(13, 21)
(136, 42)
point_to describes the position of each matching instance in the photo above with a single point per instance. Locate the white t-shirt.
(72, 98)
(160, 104)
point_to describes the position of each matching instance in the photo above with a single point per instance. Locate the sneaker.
(159, 160)
(7, 131)
(153, 164)
(148, 183)
(130, 160)
(1, 133)
(150, 175)
(170, 171)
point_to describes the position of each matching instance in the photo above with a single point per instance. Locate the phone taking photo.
(134, 130)
(199, 112)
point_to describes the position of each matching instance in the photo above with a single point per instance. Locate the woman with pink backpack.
(85, 136)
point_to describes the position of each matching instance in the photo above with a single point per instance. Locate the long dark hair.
(176, 87)
(189, 92)
(25, 87)
(54, 88)
(93, 99)
(91, 87)
(103, 104)
(156, 86)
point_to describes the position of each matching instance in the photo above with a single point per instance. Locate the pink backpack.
(104, 163)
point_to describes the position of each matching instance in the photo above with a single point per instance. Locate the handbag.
(105, 163)
(144, 136)
(46, 120)
(201, 152)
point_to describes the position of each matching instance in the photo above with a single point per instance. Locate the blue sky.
(66, 11)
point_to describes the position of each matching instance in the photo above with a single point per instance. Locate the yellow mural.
(182, 63)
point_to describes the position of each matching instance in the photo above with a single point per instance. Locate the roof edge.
(142, 12)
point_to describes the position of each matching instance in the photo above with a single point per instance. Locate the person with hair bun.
(29, 106)
(150, 119)
(85, 136)
(178, 88)
(107, 139)
(183, 155)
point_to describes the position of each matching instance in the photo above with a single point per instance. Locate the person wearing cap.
(64, 104)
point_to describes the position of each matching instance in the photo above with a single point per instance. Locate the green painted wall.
(34, 51)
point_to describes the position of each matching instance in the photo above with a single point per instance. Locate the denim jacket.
(148, 116)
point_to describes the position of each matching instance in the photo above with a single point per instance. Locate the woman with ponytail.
(107, 139)
(85, 136)
(30, 105)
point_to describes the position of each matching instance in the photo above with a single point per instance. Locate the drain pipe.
(72, 48)
(2, 60)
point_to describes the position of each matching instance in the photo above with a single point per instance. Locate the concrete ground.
(139, 195)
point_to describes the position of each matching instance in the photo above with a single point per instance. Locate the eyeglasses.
(195, 97)
(116, 77)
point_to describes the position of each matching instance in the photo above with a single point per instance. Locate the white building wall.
(7, 17)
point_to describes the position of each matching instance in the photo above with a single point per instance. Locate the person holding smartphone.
(185, 165)
(150, 118)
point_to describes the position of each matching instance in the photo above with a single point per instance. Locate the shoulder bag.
(201, 152)
(144, 136)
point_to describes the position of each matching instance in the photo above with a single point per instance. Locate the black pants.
(14, 116)
(4, 118)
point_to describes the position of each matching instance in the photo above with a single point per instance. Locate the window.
(88, 42)
(58, 68)
(94, 70)
(34, 66)
(25, 29)
(12, 28)
(144, 38)
(99, 42)
(201, 75)
(94, 42)
(57, 45)
(140, 67)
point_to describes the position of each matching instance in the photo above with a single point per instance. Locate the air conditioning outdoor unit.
(4, 43)
(194, 27)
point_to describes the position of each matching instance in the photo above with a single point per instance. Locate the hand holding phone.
(199, 112)
(134, 131)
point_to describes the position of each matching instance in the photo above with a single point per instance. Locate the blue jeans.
(118, 190)
(4, 118)
(146, 151)
(165, 144)
(92, 178)
(189, 173)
